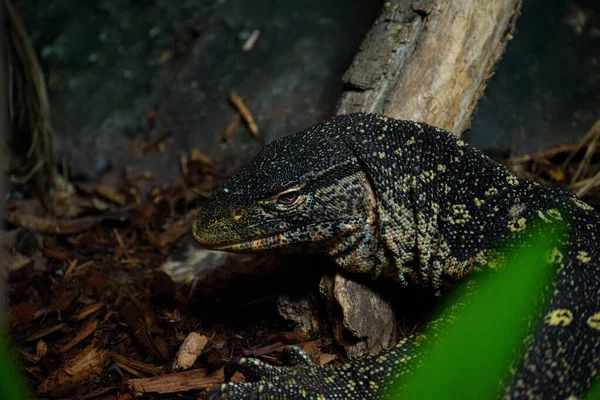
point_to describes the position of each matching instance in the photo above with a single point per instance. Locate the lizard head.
(303, 190)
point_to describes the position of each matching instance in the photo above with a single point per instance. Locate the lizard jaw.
(307, 235)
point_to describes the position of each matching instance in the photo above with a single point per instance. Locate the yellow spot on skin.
(594, 321)
(461, 214)
(517, 225)
(460, 143)
(491, 191)
(560, 317)
(478, 202)
(543, 217)
(554, 213)
(583, 257)
(554, 256)
(582, 204)
(512, 180)
(427, 176)
(441, 168)
(517, 210)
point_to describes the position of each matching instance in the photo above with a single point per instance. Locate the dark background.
(122, 70)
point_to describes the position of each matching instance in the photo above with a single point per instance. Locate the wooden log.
(430, 60)
(423, 60)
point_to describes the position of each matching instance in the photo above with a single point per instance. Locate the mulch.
(92, 313)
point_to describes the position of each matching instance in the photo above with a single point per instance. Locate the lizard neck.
(360, 250)
(430, 189)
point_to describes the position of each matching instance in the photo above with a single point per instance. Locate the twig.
(239, 104)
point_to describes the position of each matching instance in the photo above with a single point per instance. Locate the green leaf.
(12, 384)
(594, 392)
(472, 354)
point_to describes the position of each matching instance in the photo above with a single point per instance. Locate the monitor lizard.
(408, 201)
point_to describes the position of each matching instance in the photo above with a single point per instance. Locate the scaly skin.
(408, 201)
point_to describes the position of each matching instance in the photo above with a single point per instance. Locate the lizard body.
(410, 202)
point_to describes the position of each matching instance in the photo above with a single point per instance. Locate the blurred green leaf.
(594, 392)
(12, 384)
(472, 354)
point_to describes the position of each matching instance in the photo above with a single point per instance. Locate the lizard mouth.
(306, 235)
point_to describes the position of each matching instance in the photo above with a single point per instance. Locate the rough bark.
(427, 61)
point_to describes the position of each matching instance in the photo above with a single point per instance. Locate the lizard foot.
(298, 378)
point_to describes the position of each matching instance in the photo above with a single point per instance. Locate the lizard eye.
(288, 198)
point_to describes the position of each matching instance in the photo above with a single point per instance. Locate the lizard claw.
(252, 369)
(255, 370)
(299, 378)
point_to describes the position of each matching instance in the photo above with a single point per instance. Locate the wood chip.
(197, 155)
(326, 358)
(41, 349)
(89, 363)
(313, 348)
(557, 174)
(239, 104)
(189, 351)
(166, 56)
(292, 337)
(197, 379)
(264, 350)
(162, 347)
(56, 254)
(150, 318)
(110, 193)
(45, 332)
(88, 310)
(134, 320)
(185, 171)
(251, 41)
(137, 365)
(77, 269)
(59, 305)
(70, 268)
(86, 331)
(180, 228)
(119, 238)
(132, 371)
(232, 129)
